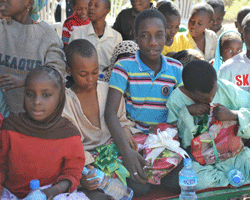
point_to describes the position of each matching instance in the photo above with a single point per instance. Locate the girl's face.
(15, 9)
(173, 23)
(85, 72)
(231, 48)
(198, 22)
(151, 37)
(41, 98)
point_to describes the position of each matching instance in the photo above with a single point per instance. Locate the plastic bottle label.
(188, 181)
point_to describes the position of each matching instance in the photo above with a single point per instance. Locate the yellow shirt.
(180, 42)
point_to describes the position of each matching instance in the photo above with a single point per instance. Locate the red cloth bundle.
(225, 139)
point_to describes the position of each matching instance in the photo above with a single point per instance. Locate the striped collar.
(144, 68)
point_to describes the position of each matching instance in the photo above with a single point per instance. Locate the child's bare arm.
(133, 161)
(61, 187)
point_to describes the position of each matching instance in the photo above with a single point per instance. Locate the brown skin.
(140, 5)
(173, 24)
(197, 24)
(231, 48)
(246, 37)
(51, 192)
(150, 37)
(85, 72)
(97, 13)
(217, 19)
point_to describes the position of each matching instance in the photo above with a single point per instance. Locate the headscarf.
(37, 7)
(127, 46)
(218, 60)
(54, 126)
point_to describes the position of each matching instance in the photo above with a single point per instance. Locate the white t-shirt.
(236, 70)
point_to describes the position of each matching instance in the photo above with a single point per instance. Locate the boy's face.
(231, 48)
(198, 22)
(140, 5)
(97, 10)
(151, 38)
(81, 9)
(246, 34)
(85, 72)
(199, 97)
(217, 19)
(173, 24)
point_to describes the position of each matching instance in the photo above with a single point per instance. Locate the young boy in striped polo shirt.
(147, 80)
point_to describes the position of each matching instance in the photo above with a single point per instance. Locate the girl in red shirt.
(40, 143)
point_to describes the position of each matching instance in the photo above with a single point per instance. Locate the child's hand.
(221, 113)
(89, 185)
(130, 138)
(198, 109)
(11, 81)
(134, 163)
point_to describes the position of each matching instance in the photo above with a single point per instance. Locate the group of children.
(51, 134)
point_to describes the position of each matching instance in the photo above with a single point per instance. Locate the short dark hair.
(199, 75)
(188, 55)
(148, 14)
(229, 36)
(47, 71)
(204, 7)
(245, 20)
(242, 14)
(217, 4)
(80, 47)
(169, 8)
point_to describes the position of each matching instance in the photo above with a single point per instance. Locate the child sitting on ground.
(198, 34)
(236, 69)
(147, 79)
(79, 18)
(229, 45)
(99, 33)
(85, 104)
(124, 49)
(175, 41)
(219, 13)
(48, 144)
(189, 103)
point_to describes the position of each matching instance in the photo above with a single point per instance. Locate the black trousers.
(170, 182)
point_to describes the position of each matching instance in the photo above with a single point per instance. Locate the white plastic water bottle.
(110, 186)
(236, 178)
(35, 192)
(187, 181)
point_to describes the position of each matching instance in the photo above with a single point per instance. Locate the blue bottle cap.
(101, 75)
(34, 184)
(187, 161)
(236, 179)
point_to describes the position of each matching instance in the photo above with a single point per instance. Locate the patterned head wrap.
(37, 7)
(218, 60)
(123, 47)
